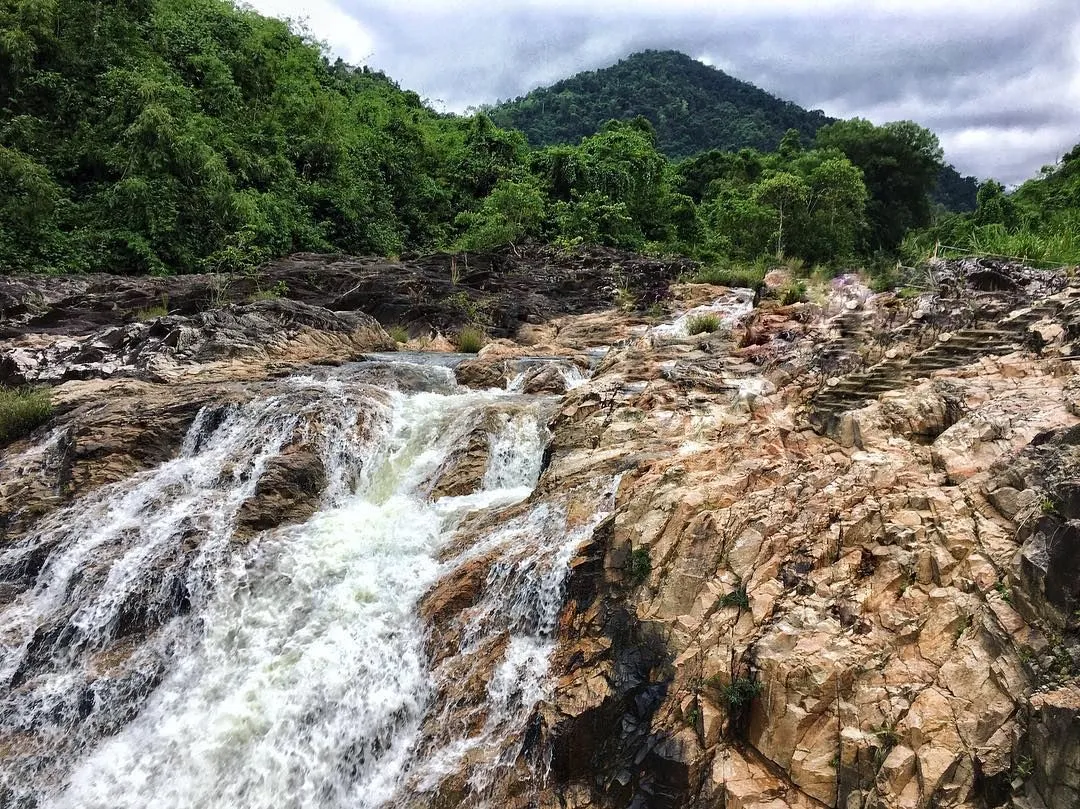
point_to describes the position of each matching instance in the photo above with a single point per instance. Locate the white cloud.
(329, 22)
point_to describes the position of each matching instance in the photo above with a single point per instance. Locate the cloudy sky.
(998, 80)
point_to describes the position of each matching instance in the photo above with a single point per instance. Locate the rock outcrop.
(841, 564)
(172, 346)
(501, 290)
(869, 610)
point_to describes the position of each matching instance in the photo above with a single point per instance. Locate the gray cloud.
(998, 81)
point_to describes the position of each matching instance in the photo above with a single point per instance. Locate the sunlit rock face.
(824, 554)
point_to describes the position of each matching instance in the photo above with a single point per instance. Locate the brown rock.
(463, 472)
(288, 492)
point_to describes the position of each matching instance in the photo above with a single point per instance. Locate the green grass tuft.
(705, 323)
(152, 313)
(470, 340)
(271, 293)
(399, 334)
(22, 410)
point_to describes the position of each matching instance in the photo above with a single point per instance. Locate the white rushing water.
(728, 309)
(155, 658)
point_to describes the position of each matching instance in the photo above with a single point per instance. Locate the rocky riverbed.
(822, 556)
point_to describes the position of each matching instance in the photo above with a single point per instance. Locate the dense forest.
(694, 108)
(161, 136)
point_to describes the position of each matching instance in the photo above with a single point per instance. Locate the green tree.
(787, 195)
(993, 206)
(900, 163)
(513, 211)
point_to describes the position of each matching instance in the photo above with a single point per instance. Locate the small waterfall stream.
(155, 656)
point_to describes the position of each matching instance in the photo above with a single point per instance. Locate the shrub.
(399, 334)
(22, 410)
(640, 565)
(750, 277)
(795, 292)
(705, 323)
(470, 340)
(740, 692)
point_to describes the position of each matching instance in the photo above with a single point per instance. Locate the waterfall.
(154, 656)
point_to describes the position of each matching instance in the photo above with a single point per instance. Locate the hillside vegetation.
(693, 107)
(172, 136)
(181, 135)
(1039, 222)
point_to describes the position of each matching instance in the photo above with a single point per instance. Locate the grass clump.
(21, 410)
(735, 277)
(271, 293)
(154, 312)
(792, 293)
(399, 334)
(640, 565)
(1004, 591)
(705, 323)
(736, 598)
(470, 340)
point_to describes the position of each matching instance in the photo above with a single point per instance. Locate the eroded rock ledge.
(875, 609)
(841, 570)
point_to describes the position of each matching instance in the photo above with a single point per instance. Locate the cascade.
(155, 656)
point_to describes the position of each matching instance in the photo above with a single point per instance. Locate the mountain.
(692, 106)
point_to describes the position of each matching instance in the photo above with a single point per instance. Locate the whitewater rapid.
(287, 670)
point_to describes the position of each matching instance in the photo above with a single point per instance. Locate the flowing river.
(152, 655)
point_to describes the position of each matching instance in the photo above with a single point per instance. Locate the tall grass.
(470, 340)
(731, 276)
(705, 323)
(155, 311)
(21, 410)
(1055, 244)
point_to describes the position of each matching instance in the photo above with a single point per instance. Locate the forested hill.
(162, 136)
(180, 135)
(692, 106)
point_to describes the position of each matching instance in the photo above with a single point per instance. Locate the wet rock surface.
(840, 567)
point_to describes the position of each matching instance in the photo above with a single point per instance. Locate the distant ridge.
(693, 107)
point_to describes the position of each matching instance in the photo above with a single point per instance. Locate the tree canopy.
(156, 136)
(694, 108)
(176, 135)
